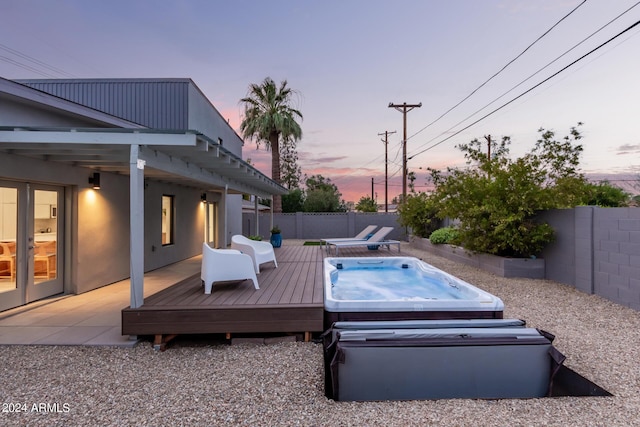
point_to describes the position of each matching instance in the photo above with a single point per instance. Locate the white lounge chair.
(378, 239)
(360, 236)
(260, 252)
(225, 265)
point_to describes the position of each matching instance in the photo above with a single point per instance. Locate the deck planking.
(290, 299)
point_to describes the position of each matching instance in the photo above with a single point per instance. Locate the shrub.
(419, 212)
(605, 195)
(497, 199)
(256, 237)
(446, 235)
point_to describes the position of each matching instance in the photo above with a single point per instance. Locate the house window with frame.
(167, 219)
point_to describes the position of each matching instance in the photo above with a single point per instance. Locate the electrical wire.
(499, 71)
(32, 60)
(531, 76)
(395, 158)
(530, 89)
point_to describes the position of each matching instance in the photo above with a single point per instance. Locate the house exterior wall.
(175, 104)
(189, 225)
(16, 113)
(97, 237)
(157, 104)
(204, 118)
(97, 246)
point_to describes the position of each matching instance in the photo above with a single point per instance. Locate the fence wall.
(321, 225)
(597, 250)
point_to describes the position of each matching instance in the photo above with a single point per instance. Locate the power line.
(532, 75)
(499, 71)
(403, 144)
(32, 60)
(24, 66)
(529, 90)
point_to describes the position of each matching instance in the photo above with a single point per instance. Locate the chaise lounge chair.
(360, 236)
(260, 252)
(220, 265)
(378, 239)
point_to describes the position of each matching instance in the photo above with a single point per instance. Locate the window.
(167, 219)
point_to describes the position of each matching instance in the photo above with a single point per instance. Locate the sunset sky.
(348, 59)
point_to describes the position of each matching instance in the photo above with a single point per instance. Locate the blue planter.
(276, 240)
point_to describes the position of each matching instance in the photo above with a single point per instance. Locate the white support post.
(136, 237)
(223, 219)
(255, 209)
(271, 210)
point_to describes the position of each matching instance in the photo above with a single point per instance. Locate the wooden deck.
(290, 300)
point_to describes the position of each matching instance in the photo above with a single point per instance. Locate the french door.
(31, 244)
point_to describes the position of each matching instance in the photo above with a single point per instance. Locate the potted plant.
(276, 237)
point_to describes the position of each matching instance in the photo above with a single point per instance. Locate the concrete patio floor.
(91, 318)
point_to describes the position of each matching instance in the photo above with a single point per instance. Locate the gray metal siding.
(152, 103)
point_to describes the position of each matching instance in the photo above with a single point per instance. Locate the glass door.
(30, 243)
(10, 295)
(44, 243)
(211, 223)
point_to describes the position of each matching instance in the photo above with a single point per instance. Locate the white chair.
(260, 252)
(225, 265)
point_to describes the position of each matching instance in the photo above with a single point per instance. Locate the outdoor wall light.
(95, 180)
(203, 197)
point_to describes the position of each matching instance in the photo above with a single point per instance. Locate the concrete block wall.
(314, 226)
(616, 255)
(597, 250)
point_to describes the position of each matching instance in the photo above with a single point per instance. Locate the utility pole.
(372, 189)
(386, 168)
(488, 138)
(404, 108)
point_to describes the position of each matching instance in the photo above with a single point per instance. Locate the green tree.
(291, 172)
(366, 204)
(293, 202)
(497, 199)
(269, 116)
(322, 195)
(606, 195)
(419, 212)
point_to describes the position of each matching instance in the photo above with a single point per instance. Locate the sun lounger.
(360, 236)
(378, 239)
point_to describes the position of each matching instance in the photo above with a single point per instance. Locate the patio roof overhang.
(184, 157)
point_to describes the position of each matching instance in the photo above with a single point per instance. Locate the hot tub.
(395, 288)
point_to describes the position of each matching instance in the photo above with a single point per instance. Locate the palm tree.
(268, 116)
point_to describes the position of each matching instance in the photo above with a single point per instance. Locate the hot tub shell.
(473, 304)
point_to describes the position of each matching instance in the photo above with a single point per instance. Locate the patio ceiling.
(184, 157)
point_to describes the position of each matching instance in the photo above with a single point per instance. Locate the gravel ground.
(196, 383)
